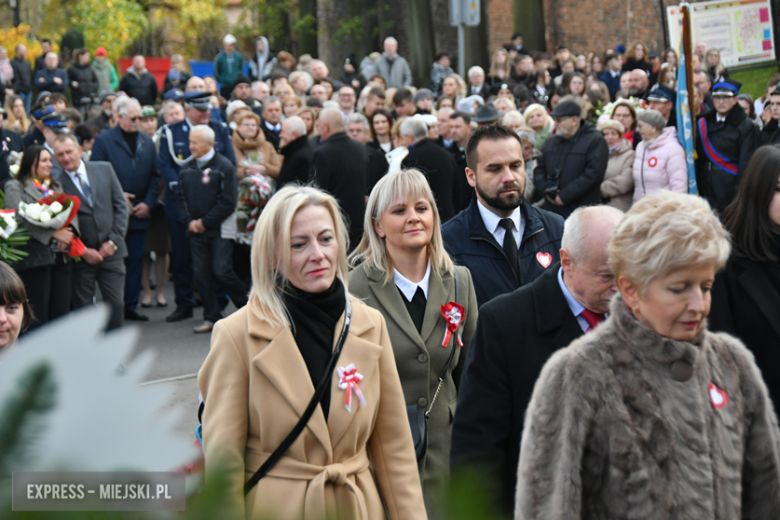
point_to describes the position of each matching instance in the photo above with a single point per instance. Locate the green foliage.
(22, 415)
(112, 24)
(73, 38)
(754, 80)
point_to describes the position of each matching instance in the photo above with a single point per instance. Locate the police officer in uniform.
(35, 132)
(9, 142)
(174, 154)
(54, 124)
(725, 141)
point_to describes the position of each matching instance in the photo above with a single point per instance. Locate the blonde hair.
(666, 231)
(272, 244)
(372, 250)
(536, 107)
(511, 107)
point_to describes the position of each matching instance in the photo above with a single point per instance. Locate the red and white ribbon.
(454, 315)
(348, 380)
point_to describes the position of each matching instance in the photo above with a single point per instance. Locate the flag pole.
(687, 48)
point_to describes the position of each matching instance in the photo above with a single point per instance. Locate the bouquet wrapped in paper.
(54, 211)
(11, 237)
(253, 194)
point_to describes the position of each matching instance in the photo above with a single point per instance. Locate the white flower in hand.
(45, 216)
(33, 211)
(55, 208)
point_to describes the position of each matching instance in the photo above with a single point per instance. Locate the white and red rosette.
(348, 380)
(454, 314)
(206, 179)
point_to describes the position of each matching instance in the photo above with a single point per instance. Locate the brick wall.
(586, 25)
(501, 19)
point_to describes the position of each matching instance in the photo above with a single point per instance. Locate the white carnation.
(55, 208)
(33, 211)
(45, 216)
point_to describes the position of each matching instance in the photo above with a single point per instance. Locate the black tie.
(510, 247)
(416, 308)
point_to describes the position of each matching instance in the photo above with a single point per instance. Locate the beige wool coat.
(421, 359)
(618, 183)
(356, 465)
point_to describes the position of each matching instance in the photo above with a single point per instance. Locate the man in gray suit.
(103, 217)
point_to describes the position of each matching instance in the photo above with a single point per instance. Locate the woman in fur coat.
(650, 415)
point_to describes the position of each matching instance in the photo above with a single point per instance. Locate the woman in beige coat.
(254, 155)
(403, 271)
(617, 188)
(350, 462)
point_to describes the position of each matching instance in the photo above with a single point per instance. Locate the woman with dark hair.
(46, 275)
(381, 124)
(746, 294)
(540, 86)
(573, 83)
(597, 64)
(83, 82)
(15, 312)
(626, 114)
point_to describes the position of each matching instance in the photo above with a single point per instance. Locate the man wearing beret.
(725, 141)
(573, 162)
(175, 154)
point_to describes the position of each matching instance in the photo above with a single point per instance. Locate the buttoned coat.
(615, 431)
(421, 359)
(355, 465)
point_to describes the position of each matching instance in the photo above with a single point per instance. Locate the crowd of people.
(504, 274)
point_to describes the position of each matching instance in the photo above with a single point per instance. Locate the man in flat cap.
(174, 154)
(105, 118)
(571, 168)
(725, 141)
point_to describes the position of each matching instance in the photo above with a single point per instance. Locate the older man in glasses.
(133, 156)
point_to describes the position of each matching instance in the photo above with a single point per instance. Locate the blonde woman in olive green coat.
(402, 270)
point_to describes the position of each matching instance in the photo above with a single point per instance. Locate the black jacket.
(295, 167)
(770, 134)
(212, 202)
(379, 166)
(516, 334)
(270, 135)
(44, 80)
(339, 166)
(462, 192)
(746, 304)
(142, 87)
(735, 139)
(439, 168)
(23, 76)
(87, 83)
(578, 164)
(471, 245)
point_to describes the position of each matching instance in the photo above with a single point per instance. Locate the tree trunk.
(445, 36)
(307, 28)
(529, 20)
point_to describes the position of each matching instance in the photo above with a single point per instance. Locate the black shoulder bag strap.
(318, 392)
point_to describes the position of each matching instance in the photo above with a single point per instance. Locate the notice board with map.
(741, 29)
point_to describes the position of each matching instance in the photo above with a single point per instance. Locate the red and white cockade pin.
(718, 397)
(206, 179)
(544, 258)
(348, 380)
(454, 314)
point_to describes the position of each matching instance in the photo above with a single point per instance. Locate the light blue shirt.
(575, 306)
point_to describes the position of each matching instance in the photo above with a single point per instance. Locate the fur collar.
(647, 343)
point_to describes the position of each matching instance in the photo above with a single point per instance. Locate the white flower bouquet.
(51, 216)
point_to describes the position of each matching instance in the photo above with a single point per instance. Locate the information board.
(741, 30)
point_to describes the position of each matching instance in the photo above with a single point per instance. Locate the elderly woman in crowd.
(15, 312)
(46, 274)
(403, 271)
(514, 120)
(746, 294)
(254, 155)
(275, 356)
(617, 188)
(538, 120)
(651, 415)
(660, 162)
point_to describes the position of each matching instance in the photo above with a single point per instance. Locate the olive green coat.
(420, 359)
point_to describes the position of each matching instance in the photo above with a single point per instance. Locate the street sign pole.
(463, 13)
(461, 51)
